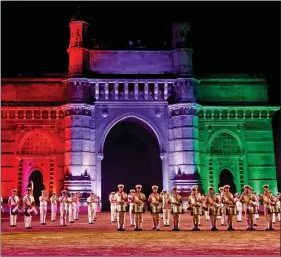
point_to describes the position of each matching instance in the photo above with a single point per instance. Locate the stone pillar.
(79, 148)
(183, 134)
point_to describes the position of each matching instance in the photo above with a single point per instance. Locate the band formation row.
(223, 206)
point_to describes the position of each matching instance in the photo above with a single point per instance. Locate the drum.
(156, 209)
(32, 211)
(177, 209)
(138, 208)
(231, 210)
(196, 211)
(252, 210)
(121, 208)
(274, 209)
(215, 211)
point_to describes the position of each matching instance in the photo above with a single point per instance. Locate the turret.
(78, 53)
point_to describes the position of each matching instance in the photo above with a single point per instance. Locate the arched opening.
(131, 156)
(226, 178)
(37, 178)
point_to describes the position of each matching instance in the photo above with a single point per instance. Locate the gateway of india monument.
(54, 126)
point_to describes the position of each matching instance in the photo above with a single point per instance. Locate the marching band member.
(29, 206)
(112, 207)
(63, 199)
(194, 202)
(74, 205)
(121, 198)
(256, 200)
(91, 207)
(71, 208)
(229, 205)
(267, 199)
(249, 201)
(43, 199)
(96, 203)
(78, 197)
(213, 205)
(278, 198)
(13, 202)
(54, 200)
(175, 200)
(222, 217)
(154, 200)
(199, 195)
(166, 208)
(239, 207)
(138, 200)
(131, 206)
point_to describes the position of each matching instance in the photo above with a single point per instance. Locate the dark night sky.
(227, 37)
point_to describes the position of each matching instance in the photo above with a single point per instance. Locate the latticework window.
(37, 144)
(224, 144)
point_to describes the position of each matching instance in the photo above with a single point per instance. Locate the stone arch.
(137, 118)
(228, 135)
(33, 139)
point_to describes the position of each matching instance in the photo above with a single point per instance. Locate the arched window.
(37, 143)
(224, 144)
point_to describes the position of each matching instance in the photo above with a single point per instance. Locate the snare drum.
(252, 210)
(196, 211)
(156, 209)
(231, 210)
(177, 209)
(215, 211)
(31, 212)
(274, 209)
(138, 208)
(121, 208)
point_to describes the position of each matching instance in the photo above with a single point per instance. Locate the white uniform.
(13, 201)
(54, 200)
(96, 203)
(121, 198)
(2, 209)
(43, 208)
(279, 214)
(131, 207)
(63, 209)
(74, 207)
(166, 209)
(70, 210)
(77, 207)
(113, 214)
(239, 210)
(91, 209)
(28, 202)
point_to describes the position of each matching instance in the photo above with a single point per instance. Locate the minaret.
(78, 53)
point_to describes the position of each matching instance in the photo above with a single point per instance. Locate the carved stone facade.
(58, 125)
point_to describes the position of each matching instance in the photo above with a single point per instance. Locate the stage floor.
(103, 238)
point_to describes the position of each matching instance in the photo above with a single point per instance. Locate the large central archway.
(226, 178)
(131, 156)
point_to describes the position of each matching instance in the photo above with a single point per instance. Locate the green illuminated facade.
(235, 133)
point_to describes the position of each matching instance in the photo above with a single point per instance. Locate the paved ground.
(102, 238)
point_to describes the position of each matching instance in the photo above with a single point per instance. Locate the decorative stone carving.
(158, 112)
(104, 111)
